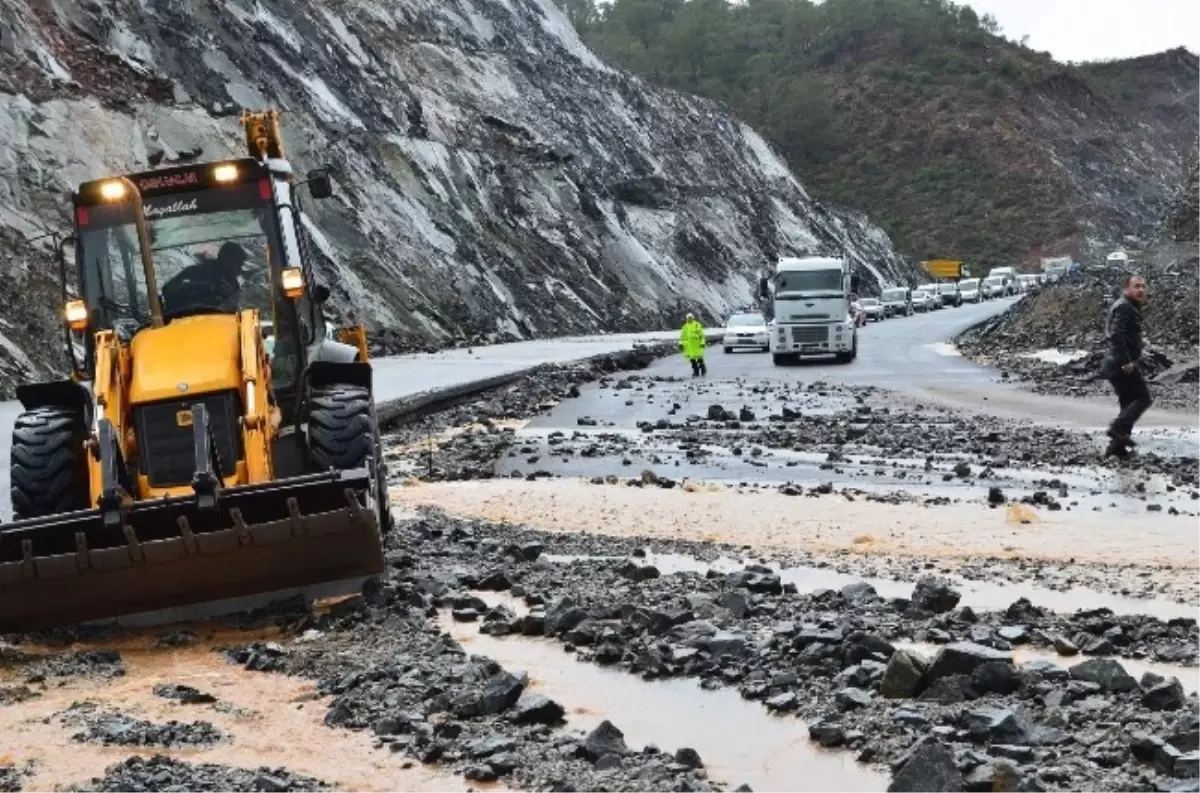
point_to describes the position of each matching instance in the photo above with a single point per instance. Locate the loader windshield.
(214, 251)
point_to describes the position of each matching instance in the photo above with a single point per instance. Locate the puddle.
(979, 595)
(738, 740)
(271, 719)
(1189, 677)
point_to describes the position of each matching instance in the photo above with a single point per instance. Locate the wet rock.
(537, 709)
(994, 775)
(1064, 646)
(688, 758)
(903, 675)
(115, 729)
(859, 592)
(935, 595)
(927, 766)
(948, 690)
(995, 496)
(782, 702)
(995, 677)
(487, 746)
(1106, 673)
(81, 663)
(961, 658)
(1167, 695)
(160, 773)
(850, 698)
(605, 739)
(562, 615)
(185, 694)
(995, 724)
(827, 733)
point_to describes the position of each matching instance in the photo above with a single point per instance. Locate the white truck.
(1056, 267)
(1009, 274)
(812, 309)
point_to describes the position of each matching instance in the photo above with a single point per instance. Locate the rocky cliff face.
(494, 179)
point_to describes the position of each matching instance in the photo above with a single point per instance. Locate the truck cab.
(812, 299)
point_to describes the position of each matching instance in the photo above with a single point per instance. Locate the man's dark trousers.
(698, 367)
(1133, 395)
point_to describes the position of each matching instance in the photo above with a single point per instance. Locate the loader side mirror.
(320, 293)
(320, 185)
(854, 282)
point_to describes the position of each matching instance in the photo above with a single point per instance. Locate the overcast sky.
(1089, 30)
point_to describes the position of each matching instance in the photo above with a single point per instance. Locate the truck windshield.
(808, 281)
(213, 252)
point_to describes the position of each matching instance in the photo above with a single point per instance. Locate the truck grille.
(166, 452)
(810, 334)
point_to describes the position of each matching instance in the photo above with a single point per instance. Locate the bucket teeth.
(239, 525)
(189, 539)
(82, 560)
(309, 533)
(297, 519)
(131, 539)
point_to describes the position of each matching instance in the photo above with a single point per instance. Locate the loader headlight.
(225, 173)
(113, 190)
(293, 282)
(77, 314)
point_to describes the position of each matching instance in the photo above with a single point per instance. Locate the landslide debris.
(161, 773)
(1069, 316)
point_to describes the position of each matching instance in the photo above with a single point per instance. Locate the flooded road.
(739, 741)
(1168, 545)
(268, 720)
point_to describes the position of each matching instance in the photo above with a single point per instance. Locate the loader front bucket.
(311, 533)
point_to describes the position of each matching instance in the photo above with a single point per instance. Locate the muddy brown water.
(738, 740)
(272, 720)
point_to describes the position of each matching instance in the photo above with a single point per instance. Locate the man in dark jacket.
(210, 283)
(1123, 329)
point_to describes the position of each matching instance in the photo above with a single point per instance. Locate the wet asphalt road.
(907, 355)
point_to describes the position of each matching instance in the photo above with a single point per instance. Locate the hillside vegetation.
(957, 141)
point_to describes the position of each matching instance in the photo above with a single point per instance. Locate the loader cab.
(221, 235)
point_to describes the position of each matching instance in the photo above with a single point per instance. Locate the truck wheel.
(726, 350)
(343, 433)
(778, 359)
(847, 357)
(48, 464)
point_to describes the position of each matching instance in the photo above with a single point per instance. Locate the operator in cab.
(209, 283)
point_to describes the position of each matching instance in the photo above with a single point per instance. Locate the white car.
(931, 300)
(994, 286)
(746, 330)
(872, 308)
(968, 289)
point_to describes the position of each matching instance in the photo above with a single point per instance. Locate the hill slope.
(495, 180)
(957, 141)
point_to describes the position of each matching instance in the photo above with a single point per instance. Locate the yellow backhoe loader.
(213, 447)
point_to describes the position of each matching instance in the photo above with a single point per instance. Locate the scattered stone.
(935, 595)
(1106, 673)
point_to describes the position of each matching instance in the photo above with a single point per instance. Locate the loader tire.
(343, 433)
(47, 464)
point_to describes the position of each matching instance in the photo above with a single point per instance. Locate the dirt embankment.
(1069, 317)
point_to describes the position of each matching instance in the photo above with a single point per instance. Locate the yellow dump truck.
(213, 447)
